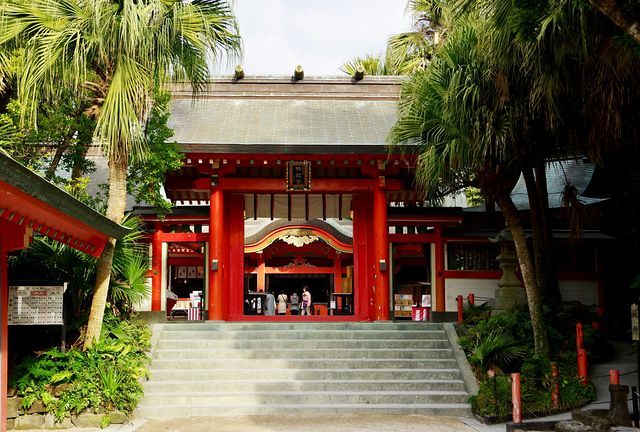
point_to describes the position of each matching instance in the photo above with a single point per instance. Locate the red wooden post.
(261, 276)
(516, 413)
(216, 249)
(614, 376)
(555, 390)
(156, 268)
(579, 336)
(439, 264)
(471, 299)
(583, 370)
(581, 353)
(460, 309)
(381, 253)
(4, 331)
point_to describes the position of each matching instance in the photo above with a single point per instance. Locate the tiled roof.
(22, 178)
(277, 125)
(575, 172)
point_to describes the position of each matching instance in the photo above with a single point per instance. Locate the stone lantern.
(509, 291)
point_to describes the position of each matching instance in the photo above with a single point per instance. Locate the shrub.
(104, 378)
(504, 344)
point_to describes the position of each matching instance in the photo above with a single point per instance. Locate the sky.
(318, 34)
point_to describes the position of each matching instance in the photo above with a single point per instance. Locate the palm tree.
(118, 51)
(371, 65)
(409, 51)
(455, 117)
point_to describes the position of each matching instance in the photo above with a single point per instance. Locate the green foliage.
(473, 313)
(147, 170)
(105, 377)
(494, 397)
(504, 344)
(60, 140)
(372, 65)
(496, 349)
(474, 196)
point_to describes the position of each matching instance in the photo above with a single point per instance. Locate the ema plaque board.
(35, 305)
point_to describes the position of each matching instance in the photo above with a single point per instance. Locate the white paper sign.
(35, 305)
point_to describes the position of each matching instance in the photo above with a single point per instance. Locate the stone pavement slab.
(310, 423)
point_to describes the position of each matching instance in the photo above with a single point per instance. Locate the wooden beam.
(323, 185)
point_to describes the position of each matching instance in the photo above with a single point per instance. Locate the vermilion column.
(381, 255)
(261, 273)
(156, 268)
(337, 273)
(439, 265)
(216, 247)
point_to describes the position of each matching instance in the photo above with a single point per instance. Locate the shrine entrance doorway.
(296, 255)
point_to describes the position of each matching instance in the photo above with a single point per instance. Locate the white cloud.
(319, 34)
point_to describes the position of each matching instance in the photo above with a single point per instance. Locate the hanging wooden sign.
(298, 175)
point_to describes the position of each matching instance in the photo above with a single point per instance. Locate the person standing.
(269, 304)
(306, 301)
(295, 304)
(282, 304)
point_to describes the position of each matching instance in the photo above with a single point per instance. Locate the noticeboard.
(35, 305)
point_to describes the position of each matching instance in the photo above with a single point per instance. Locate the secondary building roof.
(29, 200)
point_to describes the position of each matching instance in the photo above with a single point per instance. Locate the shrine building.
(289, 184)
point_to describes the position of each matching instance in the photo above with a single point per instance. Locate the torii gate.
(29, 203)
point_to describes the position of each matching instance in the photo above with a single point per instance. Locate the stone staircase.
(214, 369)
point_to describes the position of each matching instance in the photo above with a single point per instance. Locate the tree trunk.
(551, 273)
(115, 211)
(76, 171)
(612, 10)
(53, 166)
(512, 218)
(536, 227)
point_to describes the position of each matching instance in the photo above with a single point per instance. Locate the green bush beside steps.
(103, 379)
(499, 345)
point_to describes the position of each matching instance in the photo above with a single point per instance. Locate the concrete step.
(171, 342)
(305, 334)
(255, 326)
(327, 364)
(154, 386)
(195, 399)
(184, 411)
(307, 353)
(226, 369)
(261, 374)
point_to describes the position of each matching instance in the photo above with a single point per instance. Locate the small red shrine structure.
(29, 204)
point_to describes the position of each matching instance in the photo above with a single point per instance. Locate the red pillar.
(4, 334)
(216, 249)
(381, 254)
(233, 296)
(337, 273)
(261, 273)
(363, 281)
(156, 268)
(439, 264)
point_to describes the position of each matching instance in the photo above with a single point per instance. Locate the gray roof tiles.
(244, 125)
